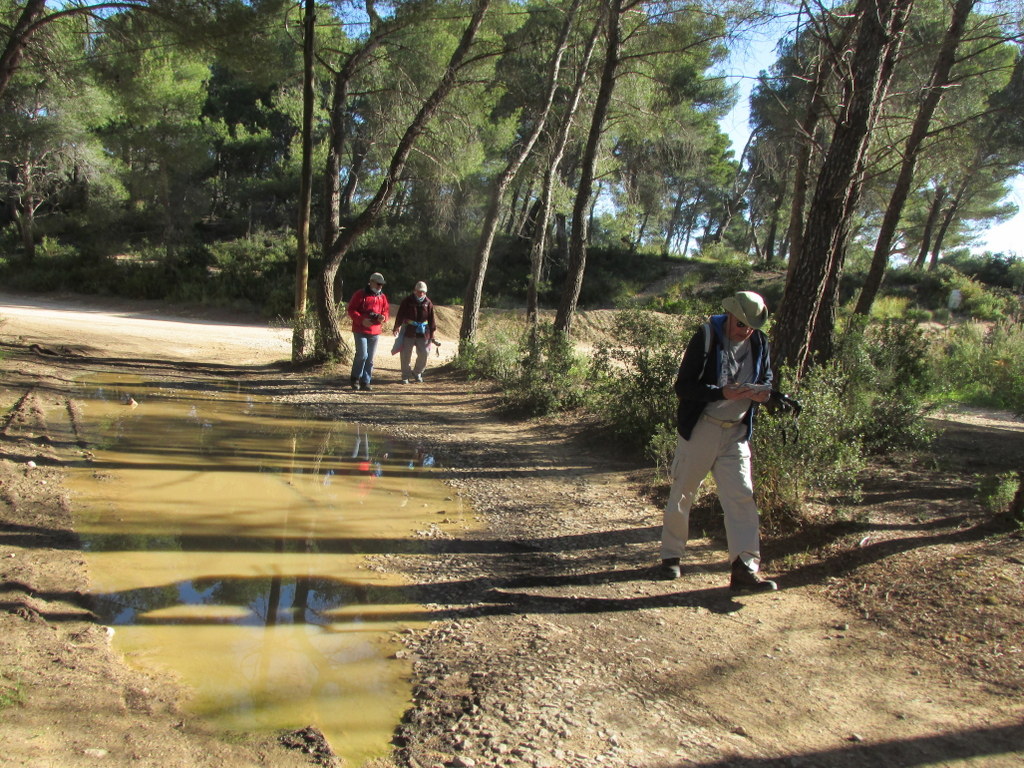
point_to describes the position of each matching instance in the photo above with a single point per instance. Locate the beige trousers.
(726, 455)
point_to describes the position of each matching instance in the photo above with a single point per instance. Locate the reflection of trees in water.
(271, 600)
(123, 608)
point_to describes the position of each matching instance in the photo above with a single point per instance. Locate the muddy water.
(227, 541)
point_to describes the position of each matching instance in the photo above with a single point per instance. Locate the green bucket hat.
(747, 307)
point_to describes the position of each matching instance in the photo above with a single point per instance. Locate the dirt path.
(895, 640)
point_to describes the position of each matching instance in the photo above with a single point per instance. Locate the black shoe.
(670, 569)
(365, 386)
(745, 579)
(355, 384)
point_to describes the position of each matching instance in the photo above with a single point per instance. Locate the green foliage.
(981, 365)
(885, 373)
(539, 374)
(732, 270)
(996, 492)
(932, 289)
(796, 460)
(636, 373)
(12, 691)
(870, 398)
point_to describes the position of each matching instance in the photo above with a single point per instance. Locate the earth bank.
(894, 639)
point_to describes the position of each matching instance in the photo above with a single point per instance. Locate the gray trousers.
(726, 455)
(422, 347)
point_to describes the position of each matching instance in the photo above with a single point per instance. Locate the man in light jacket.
(725, 374)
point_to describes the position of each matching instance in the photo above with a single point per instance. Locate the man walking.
(724, 375)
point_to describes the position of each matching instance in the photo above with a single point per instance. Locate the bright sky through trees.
(744, 64)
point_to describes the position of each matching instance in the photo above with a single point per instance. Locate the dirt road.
(894, 642)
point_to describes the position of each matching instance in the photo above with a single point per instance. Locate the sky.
(742, 69)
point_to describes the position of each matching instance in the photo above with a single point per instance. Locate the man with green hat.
(725, 374)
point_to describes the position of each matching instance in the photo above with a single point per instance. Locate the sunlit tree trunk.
(806, 317)
(937, 84)
(306, 187)
(929, 225)
(474, 291)
(579, 232)
(538, 244)
(947, 219)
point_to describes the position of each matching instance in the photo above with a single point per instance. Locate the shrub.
(886, 378)
(982, 365)
(996, 492)
(636, 398)
(795, 460)
(539, 373)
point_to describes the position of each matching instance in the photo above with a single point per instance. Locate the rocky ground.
(895, 638)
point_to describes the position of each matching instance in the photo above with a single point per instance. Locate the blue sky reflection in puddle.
(226, 539)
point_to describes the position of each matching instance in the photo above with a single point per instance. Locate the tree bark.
(14, 51)
(937, 84)
(578, 234)
(538, 244)
(807, 315)
(305, 186)
(929, 225)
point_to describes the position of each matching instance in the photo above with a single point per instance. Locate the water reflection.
(226, 539)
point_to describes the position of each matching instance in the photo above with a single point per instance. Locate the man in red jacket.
(369, 311)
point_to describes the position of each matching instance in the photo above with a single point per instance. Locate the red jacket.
(367, 306)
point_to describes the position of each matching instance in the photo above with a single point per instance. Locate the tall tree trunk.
(691, 222)
(338, 200)
(673, 225)
(805, 146)
(807, 313)
(326, 305)
(937, 84)
(773, 233)
(305, 186)
(929, 225)
(14, 51)
(579, 233)
(947, 219)
(741, 185)
(474, 291)
(538, 244)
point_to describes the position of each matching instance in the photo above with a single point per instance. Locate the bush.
(636, 399)
(820, 452)
(982, 365)
(538, 373)
(996, 492)
(887, 377)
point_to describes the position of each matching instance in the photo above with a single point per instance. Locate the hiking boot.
(365, 386)
(745, 579)
(670, 569)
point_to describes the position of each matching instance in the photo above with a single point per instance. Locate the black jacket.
(697, 380)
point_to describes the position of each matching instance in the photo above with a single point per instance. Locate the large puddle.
(226, 539)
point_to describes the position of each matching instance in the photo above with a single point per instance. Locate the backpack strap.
(707, 347)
